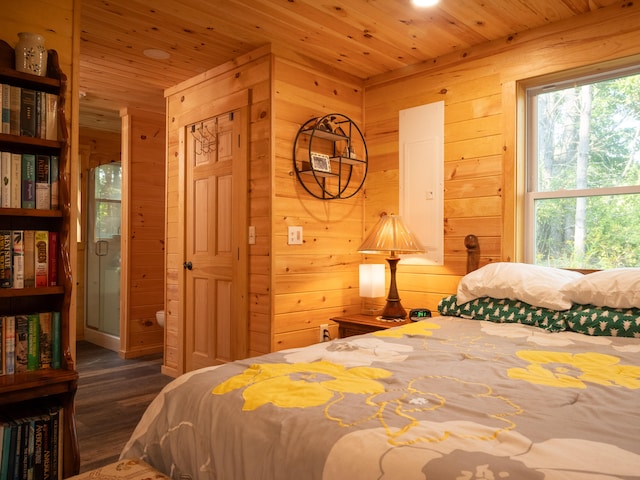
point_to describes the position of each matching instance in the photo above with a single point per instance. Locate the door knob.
(188, 265)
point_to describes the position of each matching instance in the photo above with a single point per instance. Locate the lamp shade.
(390, 234)
(372, 280)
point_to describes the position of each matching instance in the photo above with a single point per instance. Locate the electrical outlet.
(325, 336)
(294, 235)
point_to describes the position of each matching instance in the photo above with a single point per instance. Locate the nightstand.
(357, 324)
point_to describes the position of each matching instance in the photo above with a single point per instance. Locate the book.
(41, 114)
(6, 447)
(5, 182)
(22, 346)
(16, 180)
(46, 337)
(43, 185)
(33, 342)
(28, 112)
(17, 248)
(41, 264)
(56, 340)
(53, 259)
(6, 108)
(54, 173)
(29, 258)
(56, 418)
(46, 449)
(14, 109)
(9, 333)
(51, 130)
(28, 180)
(38, 447)
(6, 258)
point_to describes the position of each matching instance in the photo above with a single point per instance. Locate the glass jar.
(31, 55)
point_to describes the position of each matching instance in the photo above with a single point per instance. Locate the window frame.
(547, 84)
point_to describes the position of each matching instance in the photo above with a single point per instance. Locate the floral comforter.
(443, 398)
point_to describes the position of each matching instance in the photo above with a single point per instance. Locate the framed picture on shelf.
(320, 162)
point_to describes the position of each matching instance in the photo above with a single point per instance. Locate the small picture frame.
(320, 162)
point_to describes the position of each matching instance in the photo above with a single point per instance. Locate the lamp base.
(393, 310)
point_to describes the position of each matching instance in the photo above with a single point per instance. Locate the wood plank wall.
(319, 279)
(143, 222)
(482, 168)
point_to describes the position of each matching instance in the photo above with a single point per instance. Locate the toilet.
(160, 318)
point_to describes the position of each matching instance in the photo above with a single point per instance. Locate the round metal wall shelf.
(330, 157)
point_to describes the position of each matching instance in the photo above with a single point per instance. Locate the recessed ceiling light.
(156, 54)
(424, 3)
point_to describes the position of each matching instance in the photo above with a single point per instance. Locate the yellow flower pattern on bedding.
(301, 385)
(414, 328)
(566, 370)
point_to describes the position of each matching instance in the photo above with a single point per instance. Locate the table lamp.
(390, 235)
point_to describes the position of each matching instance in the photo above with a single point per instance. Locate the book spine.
(38, 445)
(53, 259)
(17, 452)
(22, 344)
(29, 258)
(9, 332)
(43, 183)
(6, 108)
(6, 259)
(56, 340)
(16, 180)
(5, 175)
(6, 448)
(46, 448)
(41, 258)
(55, 181)
(51, 117)
(33, 342)
(41, 114)
(46, 338)
(14, 109)
(28, 180)
(17, 247)
(55, 414)
(28, 113)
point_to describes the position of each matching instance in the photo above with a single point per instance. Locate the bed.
(525, 374)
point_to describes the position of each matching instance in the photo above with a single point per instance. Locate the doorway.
(102, 302)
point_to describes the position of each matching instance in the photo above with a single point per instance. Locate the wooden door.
(215, 307)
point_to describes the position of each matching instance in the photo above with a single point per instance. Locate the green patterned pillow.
(504, 310)
(612, 322)
(447, 306)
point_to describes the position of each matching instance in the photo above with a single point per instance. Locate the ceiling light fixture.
(424, 3)
(156, 54)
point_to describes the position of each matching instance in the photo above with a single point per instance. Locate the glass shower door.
(102, 315)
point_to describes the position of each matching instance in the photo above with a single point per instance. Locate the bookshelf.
(42, 387)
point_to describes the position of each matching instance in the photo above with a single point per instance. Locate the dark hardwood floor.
(112, 396)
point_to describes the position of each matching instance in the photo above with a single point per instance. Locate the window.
(107, 181)
(582, 203)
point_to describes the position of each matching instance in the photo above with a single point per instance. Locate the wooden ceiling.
(363, 37)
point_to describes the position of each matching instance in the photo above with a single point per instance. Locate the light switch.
(295, 236)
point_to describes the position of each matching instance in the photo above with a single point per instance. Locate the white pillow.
(615, 288)
(533, 284)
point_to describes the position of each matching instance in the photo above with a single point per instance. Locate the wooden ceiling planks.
(364, 38)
